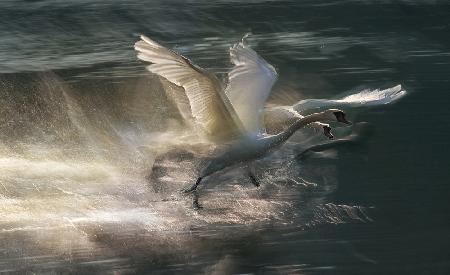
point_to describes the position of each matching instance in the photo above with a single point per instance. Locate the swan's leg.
(252, 176)
(193, 187)
(193, 190)
(195, 203)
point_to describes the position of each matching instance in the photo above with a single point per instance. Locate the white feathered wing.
(209, 105)
(363, 98)
(249, 84)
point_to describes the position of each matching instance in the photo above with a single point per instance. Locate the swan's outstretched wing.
(209, 105)
(181, 101)
(250, 83)
(364, 98)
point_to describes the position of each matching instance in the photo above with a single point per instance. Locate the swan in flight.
(231, 115)
(280, 117)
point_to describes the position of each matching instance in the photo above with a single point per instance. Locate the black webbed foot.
(254, 179)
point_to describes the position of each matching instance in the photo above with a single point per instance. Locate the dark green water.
(82, 128)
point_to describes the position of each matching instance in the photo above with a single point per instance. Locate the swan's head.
(336, 115)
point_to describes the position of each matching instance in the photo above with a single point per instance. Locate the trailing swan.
(280, 117)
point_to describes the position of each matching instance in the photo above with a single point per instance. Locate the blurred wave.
(49, 35)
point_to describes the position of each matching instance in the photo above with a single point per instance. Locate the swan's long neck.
(286, 134)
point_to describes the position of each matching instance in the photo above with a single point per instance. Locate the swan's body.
(249, 149)
(231, 115)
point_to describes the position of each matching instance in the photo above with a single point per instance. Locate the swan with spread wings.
(231, 116)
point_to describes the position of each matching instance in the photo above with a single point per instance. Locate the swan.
(232, 115)
(247, 149)
(280, 117)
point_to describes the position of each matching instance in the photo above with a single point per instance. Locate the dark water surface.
(91, 149)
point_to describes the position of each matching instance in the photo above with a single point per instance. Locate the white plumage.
(235, 115)
(364, 98)
(209, 105)
(280, 117)
(249, 86)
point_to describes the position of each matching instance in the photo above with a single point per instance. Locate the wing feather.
(365, 98)
(249, 85)
(209, 106)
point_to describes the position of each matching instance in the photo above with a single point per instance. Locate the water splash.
(88, 168)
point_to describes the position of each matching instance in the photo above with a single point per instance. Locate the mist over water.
(93, 153)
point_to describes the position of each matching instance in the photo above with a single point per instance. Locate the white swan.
(234, 114)
(247, 148)
(279, 118)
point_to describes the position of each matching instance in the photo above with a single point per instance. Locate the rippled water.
(93, 153)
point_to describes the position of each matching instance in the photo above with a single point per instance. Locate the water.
(92, 152)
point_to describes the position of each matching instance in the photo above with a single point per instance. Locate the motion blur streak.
(93, 153)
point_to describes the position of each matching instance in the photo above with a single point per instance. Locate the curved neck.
(286, 134)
